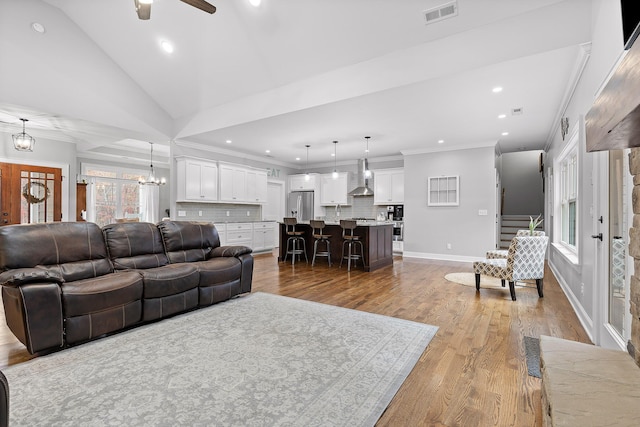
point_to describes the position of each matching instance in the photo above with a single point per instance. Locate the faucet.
(338, 211)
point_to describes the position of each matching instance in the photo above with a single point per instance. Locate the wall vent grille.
(445, 11)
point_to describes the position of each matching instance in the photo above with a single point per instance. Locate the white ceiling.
(290, 73)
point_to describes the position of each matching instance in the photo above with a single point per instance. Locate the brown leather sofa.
(66, 283)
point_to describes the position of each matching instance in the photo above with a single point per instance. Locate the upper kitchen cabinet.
(256, 186)
(333, 191)
(233, 183)
(197, 180)
(388, 187)
(300, 183)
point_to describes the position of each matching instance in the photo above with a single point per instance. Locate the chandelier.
(151, 179)
(23, 141)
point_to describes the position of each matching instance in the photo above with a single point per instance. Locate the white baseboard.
(440, 257)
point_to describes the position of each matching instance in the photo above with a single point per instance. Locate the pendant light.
(23, 141)
(334, 175)
(367, 171)
(307, 177)
(151, 178)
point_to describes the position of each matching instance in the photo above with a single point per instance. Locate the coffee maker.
(398, 212)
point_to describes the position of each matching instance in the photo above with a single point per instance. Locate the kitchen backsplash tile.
(217, 212)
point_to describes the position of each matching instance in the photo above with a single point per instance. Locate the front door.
(30, 194)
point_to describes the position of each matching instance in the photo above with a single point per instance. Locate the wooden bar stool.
(296, 244)
(350, 239)
(316, 229)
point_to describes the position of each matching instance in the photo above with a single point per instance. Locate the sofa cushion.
(188, 241)
(100, 293)
(75, 250)
(230, 251)
(218, 270)
(169, 280)
(134, 245)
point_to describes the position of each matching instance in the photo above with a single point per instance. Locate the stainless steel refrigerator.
(300, 205)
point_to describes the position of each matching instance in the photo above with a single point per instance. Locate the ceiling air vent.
(447, 10)
(516, 111)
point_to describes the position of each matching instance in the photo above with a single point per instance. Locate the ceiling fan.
(143, 7)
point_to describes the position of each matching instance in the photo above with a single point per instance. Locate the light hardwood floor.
(473, 373)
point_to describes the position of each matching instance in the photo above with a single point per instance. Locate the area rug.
(486, 282)
(257, 360)
(532, 354)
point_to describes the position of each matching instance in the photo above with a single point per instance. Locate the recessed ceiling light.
(255, 3)
(228, 141)
(145, 1)
(333, 154)
(298, 159)
(38, 27)
(502, 116)
(505, 133)
(267, 151)
(166, 46)
(496, 89)
(441, 141)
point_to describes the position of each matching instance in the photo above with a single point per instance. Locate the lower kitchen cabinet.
(264, 234)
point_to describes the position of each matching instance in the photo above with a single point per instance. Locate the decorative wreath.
(28, 193)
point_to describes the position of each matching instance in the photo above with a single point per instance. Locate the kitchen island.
(376, 238)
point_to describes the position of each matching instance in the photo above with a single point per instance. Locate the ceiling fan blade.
(143, 10)
(201, 4)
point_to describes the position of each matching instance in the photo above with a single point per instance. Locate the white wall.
(522, 183)
(429, 229)
(577, 278)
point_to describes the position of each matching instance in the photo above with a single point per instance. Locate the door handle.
(597, 236)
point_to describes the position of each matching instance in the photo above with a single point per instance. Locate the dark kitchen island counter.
(376, 237)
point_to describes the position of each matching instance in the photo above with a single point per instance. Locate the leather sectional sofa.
(68, 282)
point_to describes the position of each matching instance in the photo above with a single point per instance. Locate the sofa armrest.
(230, 251)
(33, 312)
(21, 276)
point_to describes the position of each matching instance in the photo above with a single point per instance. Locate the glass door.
(618, 242)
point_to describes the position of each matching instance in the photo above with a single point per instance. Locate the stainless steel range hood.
(362, 190)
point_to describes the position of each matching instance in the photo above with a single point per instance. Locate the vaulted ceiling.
(290, 73)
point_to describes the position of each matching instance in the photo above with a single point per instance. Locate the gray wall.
(522, 183)
(429, 229)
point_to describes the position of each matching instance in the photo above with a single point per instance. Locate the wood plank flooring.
(473, 373)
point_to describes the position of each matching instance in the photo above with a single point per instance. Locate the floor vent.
(445, 11)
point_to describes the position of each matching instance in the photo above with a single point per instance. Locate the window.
(568, 195)
(112, 193)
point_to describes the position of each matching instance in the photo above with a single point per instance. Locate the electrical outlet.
(482, 212)
(182, 213)
(582, 289)
(227, 213)
(449, 246)
(199, 213)
(248, 213)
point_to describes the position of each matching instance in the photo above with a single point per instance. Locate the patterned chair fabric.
(503, 253)
(525, 260)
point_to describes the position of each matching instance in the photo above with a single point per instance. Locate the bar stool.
(316, 229)
(350, 239)
(295, 240)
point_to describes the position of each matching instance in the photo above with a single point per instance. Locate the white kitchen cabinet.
(240, 234)
(333, 191)
(300, 183)
(197, 180)
(388, 187)
(232, 183)
(256, 186)
(263, 235)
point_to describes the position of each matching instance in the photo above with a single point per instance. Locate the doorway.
(30, 194)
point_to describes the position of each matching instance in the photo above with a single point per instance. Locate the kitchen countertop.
(367, 223)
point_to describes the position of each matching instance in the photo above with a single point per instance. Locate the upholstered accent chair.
(503, 253)
(525, 261)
